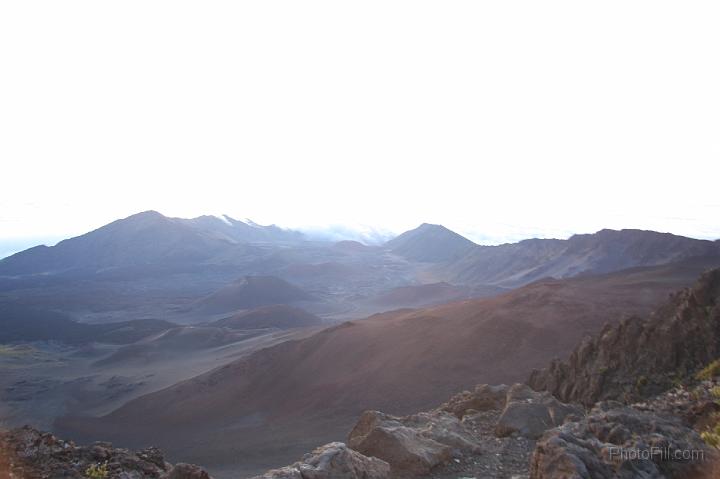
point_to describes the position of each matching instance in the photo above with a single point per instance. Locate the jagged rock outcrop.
(529, 413)
(30, 454)
(412, 445)
(332, 461)
(639, 358)
(483, 398)
(623, 443)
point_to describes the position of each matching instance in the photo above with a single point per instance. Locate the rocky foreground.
(491, 432)
(26, 453)
(515, 432)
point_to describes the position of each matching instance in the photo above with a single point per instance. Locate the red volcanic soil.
(267, 409)
(422, 294)
(432, 293)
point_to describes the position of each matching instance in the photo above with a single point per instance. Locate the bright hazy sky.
(501, 120)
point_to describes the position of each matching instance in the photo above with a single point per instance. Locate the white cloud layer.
(501, 120)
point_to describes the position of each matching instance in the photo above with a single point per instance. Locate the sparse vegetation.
(97, 471)
(712, 435)
(677, 380)
(641, 382)
(710, 371)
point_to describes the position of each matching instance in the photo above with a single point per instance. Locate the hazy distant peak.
(631, 234)
(433, 227)
(428, 229)
(250, 222)
(149, 214)
(430, 243)
(242, 231)
(362, 233)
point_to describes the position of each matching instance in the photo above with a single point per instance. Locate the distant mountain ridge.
(150, 239)
(516, 264)
(460, 261)
(231, 229)
(146, 238)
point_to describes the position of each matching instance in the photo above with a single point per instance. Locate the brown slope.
(275, 316)
(175, 342)
(264, 410)
(422, 295)
(429, 294)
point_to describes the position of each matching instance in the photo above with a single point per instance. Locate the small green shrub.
(695, 394)
(641, 382)
(712, 436)
(97, 471)
(708, 372)
(715, 391)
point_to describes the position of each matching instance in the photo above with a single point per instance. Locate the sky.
(500, 120)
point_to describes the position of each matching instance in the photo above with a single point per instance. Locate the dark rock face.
(623, 443)
(639, 358)
(30, 454)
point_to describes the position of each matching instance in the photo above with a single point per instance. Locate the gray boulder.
(332, 461)
(412, 445)
(530, 413)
